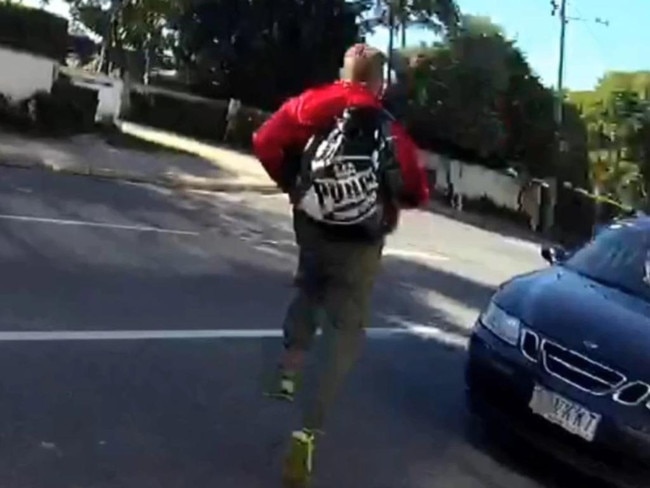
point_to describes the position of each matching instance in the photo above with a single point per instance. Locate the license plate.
(569, 415)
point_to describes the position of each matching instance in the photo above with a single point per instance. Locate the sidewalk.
(188, 165)
(199, 166)
(490, 223)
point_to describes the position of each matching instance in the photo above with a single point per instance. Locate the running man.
(348, 169)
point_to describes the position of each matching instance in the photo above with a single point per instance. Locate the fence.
(570, 212)
(471, 184)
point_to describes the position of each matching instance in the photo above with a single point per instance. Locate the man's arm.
(273, 140)
(414, 175)
(280, 141)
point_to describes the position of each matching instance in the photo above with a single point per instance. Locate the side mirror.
(554, 254)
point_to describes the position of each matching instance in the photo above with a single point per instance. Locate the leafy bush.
(13, 115)
(576, 214)
(34, 31)
(195, 117)
(248, 121)
(190, 116)
(67, 109)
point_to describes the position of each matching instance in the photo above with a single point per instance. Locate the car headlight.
(501, 324)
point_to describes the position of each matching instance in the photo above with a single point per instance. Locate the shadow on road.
(178, 413)
(416, 420)
(415, 277)
(172, 414)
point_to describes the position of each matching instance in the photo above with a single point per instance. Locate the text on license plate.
(565, 413)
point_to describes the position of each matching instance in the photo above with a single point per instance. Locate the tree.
(442, 17)
(262, 52)
(439, 16)
(125, 24)
(481, 25)
(453, 98)
(616, 114)
(475, 96)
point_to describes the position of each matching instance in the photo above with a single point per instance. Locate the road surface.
(136, 325)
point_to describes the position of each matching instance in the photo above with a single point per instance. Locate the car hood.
(571, 309)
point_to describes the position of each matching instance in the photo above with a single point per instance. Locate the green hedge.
(248, 122)
(68, 109)
(34, 31)
(485, 206)
(576, 214)
(194, 117)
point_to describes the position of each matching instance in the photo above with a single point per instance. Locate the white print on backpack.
(349, 197)
(343, 187)
(344, 200)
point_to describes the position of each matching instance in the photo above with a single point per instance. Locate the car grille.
(529, 345)
(633, 393)
(578, 370)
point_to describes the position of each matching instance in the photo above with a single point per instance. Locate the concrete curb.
(176, 182)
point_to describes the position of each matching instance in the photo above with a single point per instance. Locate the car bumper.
(500, 385)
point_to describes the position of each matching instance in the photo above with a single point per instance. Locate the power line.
(587, 23)
(559, 9)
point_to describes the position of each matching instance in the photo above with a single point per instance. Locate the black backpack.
(349, 175)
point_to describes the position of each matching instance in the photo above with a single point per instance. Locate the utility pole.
(404, 24)
(559, 99)
(561, 10)
(391, 41)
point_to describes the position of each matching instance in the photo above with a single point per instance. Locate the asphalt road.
(105, 259)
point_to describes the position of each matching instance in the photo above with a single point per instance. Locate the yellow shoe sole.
(297, 468)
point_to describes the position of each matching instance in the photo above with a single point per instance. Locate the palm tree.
(442, 17)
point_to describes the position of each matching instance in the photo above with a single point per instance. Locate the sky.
(591, 48)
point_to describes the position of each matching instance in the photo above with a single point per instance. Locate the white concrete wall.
(109, 91)
(23, 74)
(473, 181)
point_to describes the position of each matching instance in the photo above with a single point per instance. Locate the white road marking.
(429, 331)
(408, 254)
(133, 335)
(282, 242)
(273, 252)
(84, 223)
(531, 246)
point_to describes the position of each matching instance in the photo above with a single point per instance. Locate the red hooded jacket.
(289, 129)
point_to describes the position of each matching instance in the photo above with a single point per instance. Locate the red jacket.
(290, 128)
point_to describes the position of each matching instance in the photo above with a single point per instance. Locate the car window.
(619, 256)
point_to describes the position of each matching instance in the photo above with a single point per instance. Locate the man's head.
(364, 64)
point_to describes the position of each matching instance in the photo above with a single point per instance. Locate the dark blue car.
(562, 355)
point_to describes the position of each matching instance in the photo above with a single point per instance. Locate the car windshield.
(618, 257)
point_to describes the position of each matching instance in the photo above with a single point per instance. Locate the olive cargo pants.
(335, 281)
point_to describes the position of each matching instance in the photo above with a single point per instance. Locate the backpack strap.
(303, 181)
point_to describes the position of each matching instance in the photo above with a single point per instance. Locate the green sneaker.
(299, 463)
(283, 386)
